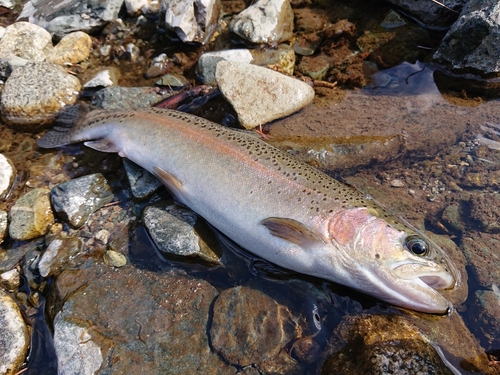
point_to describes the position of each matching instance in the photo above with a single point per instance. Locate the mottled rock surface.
(265, 21)
(142, 183)
(73, 48)
(14, 340)
(473, 42)
(260, 95)
(60, 254)
(117, 97)
(35, 93)
(177, 230)
(432, 13)
(7, 175)
(31, 216)
(23, 39)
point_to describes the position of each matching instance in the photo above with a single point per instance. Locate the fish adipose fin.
(61, 134)
(169, 180)
(292, 231)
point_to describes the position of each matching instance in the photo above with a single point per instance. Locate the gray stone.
(25, 40)
(283, 57)
(260, 95)
(31, 216)
(14, 340)
(173, 80)
(7, 175)
(431, 13)
(136, 6)
(3, 225)
(104, 78)
(115, 259)
(61, 17)
(77, 199)
(177, 230)
(116, 97)
(248, 327)
(192, 20)
(142, 183)
(35, 93)
(60, 254)
(76, 352)
(392, 21)
(8, 64)
(473, 42)
(315, 67)
(265, 21)
(159, 65)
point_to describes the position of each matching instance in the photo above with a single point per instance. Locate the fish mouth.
(429, 275)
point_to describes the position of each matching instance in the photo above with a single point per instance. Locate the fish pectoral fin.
(169, 180)
(103, 145)
(292, 231)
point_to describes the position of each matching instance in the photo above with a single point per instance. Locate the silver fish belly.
(282, 210)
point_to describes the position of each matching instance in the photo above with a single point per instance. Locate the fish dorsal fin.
(292, 231)
(169, 180)
(103, 145)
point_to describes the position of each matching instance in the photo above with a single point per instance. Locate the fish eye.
(416, 245)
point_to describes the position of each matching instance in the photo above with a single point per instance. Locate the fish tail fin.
(68, 119)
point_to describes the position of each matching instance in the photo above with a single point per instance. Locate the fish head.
(389, 259)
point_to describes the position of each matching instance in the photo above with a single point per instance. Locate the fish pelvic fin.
(61, 134)
(172, 183)
(293, 231)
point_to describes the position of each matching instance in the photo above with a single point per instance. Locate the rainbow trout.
(272, 205)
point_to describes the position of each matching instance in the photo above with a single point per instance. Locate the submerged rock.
(142, 183)
(473, 42)
(31, 216)
(117, 97)
(481, 250)
(14, 340)
(77, 199)
(35, 93)
(177, 230)
(265, 21)
(59, 255)
(165, 332)
(260, 95)
(249, 327)
(192, 20)
(485, 209)
(7, 175)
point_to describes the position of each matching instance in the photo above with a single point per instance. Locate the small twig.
(112, 204)
(444, 6)
(21, 371)
(330, 85)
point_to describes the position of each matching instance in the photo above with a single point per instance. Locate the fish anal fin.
(169, 180)
(103, 145)
(292, 231)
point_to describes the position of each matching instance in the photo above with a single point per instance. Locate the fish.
(271, 204)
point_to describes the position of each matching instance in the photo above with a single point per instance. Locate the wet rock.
(35, 93)
(60, 254)
(175, 81)
(486, 311)
(159, 65)
(114, 259)
(481, 250)
(283, 57)
(473, 41)
(64, 17)
(104, 78)
(14, 340)
(310, 24)
(77, 199)
(165, 332)
(315, 67)
(3, 225)
(179, 231)
(25, 40)
(31, 216)
(7, 4)
(432, 14)
(192, 21)
(116, 97)
(249, 327)
(260, 95)
(382, 345)
(7, 175)
(485, 209)
(136, 6)
(265, 21)
(73, 48)
(10, 280)
(9, 64)
(452, 218)
(392, 21)
(142, 183)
